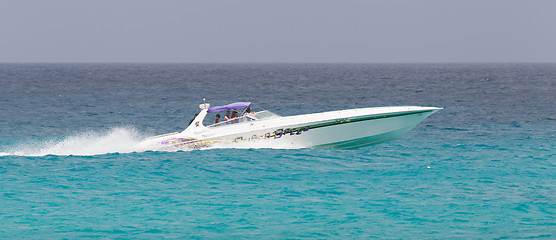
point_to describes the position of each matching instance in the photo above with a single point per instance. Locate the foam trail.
(120, 140)
(116, 140)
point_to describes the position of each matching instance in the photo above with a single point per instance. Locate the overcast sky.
(389, 31)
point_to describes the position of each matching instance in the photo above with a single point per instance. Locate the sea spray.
(114, 140)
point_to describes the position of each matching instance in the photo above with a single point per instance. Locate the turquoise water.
(484, 167)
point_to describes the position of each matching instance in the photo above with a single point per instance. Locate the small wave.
(115, 140)
(455, 129)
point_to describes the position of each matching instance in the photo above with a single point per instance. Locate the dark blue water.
(484, 167)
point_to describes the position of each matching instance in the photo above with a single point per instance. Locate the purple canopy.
(230, 106)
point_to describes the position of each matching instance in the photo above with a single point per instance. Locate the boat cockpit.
(240, 113)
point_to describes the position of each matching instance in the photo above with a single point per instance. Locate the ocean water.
(484, 167)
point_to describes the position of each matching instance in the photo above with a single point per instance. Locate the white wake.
(116, 140)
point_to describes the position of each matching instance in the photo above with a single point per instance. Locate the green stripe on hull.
(366, 118)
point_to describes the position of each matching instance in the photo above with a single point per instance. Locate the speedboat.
(342, 129)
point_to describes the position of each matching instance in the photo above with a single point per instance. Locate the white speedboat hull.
(344, 129)
(360, 131)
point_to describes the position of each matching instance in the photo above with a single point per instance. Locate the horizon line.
(262, 63)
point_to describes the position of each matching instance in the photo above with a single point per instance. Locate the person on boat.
(234, 117)
(196, 114)
(248, 114)
(217, 118)
(227, 117)
(248, 111)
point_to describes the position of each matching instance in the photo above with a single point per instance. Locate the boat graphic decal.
(292, 131)
(191, 143)
(173, 141)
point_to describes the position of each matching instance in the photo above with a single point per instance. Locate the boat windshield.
(264, 115)
(248, 118)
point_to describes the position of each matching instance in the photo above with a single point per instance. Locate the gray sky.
(397, 31)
